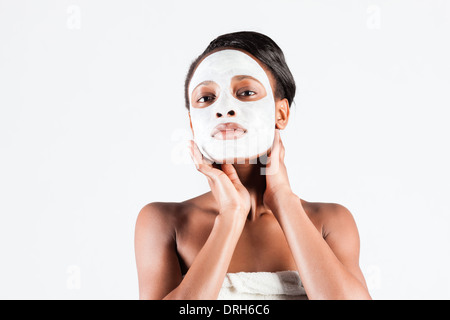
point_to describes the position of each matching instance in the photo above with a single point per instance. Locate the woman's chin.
(260, 158)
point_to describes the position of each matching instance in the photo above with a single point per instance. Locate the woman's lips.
(228, 131)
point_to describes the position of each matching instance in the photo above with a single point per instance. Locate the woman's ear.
(281, 113)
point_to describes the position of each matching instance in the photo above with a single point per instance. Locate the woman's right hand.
(230, 194)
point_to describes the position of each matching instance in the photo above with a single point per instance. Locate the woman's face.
(232, 107)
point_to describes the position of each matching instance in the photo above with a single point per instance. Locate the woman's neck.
(252, 179)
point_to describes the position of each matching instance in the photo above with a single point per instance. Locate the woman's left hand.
(277, 181)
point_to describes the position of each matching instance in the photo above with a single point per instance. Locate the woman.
(251, 236)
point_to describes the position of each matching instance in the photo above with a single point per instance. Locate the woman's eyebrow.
(243, 77)
(203, 83)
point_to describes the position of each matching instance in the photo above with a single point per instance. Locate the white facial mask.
(256, 117)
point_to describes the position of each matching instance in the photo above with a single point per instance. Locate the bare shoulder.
(167, 216)
(158, 212)
(329, 216)
(155, 222)
(339, 231)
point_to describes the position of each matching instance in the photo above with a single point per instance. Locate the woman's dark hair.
(262, 48)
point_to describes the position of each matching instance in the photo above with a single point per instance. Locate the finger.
(202, 164)
(197, 157)
(276, 142)
(196, 154)
(275, 152)
(193, 153)
(281, 147)
(230, 171)
(274, 158)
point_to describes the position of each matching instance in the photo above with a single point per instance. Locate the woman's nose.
(230, 113)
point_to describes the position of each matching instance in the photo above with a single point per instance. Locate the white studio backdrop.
(93, 127)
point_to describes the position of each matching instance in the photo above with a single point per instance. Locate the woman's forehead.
(221, 66)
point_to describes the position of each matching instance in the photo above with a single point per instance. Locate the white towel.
(282, 285)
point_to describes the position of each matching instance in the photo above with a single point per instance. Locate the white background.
(93, 124)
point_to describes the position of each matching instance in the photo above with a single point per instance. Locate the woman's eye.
(205, 99)
(246, 93)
